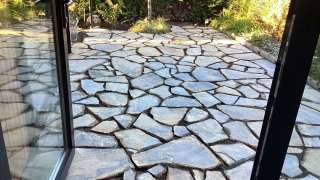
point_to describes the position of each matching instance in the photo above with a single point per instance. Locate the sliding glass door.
(34, 112)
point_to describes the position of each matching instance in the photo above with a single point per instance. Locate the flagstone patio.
(188, 104)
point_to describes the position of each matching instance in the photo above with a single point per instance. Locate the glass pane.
(29, 97)
(303, 155)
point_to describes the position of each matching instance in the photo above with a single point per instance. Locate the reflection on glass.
(29, 97)
(303, 155)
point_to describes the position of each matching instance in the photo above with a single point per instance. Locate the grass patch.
(154, 26)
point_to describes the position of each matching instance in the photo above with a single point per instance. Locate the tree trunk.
(149, 9)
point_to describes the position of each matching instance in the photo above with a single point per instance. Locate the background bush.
(115, 12)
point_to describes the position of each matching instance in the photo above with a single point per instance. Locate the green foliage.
(188, 10)
(155, 26)
(254, 17)
(127, 11)
(19, 10)
(315, 68)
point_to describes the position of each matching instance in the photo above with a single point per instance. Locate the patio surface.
(188, 104)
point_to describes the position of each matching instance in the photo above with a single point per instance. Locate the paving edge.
(311, 82)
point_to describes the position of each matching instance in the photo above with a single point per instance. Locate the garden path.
(188, 104)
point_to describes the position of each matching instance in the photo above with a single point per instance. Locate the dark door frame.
(60, 26)
(293, 65)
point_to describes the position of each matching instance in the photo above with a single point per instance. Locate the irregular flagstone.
(218, 115)
(115, 79)
(81, 66)
(266, 65)
(166, 60)
(214, 175)
(178, 174)
(308, 115)
(242, 171)
(165, 73)
(162, 91)
(312, 105)
(127, 67)
(198, 174)
(143, 103)
(233, 153)
(106, 112)
(242, 113)
(86, 120)
(171, 51)
(125, 120)
(233, 74)
(117, 87)
(238, 131)
(195, 115)
(184, 77)
(89, 101)
(136, 139)
(181, 102)
(148, 124)
(194, 51)
(154, 65)
(252, 102)
(106, 127)
(311, 161)
(179, 91)
(291, 166)
(180, 131)
(114, 99)
(247, 56)
(99, 73)
(129, 175)
(248, 92)
(206, 99)
(136, 93)
(89, 139)
(206, 74)
(77, 109)
(227, 90)
(147, 81)
(98, 163)
(198, 86)
(169, 116)
(226, 99)
(157, 170)
(91, 87)
(209, 131)
(311, 94)
(309, 130)
(172, 82)
(149, 51)
(145, 176)
(175, 153)
(107, 47)
(136, 58)
(123, 53)
(206, 60)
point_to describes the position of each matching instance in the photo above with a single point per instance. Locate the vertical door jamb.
(299, 43)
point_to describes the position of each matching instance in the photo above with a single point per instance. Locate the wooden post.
(149, 9)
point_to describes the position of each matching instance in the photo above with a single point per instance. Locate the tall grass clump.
(154, 26)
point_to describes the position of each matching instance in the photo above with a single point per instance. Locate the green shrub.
(315, 68)
(127, 11)
(156, 26)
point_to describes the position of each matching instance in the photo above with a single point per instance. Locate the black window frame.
(61, 39)
(292, 69)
